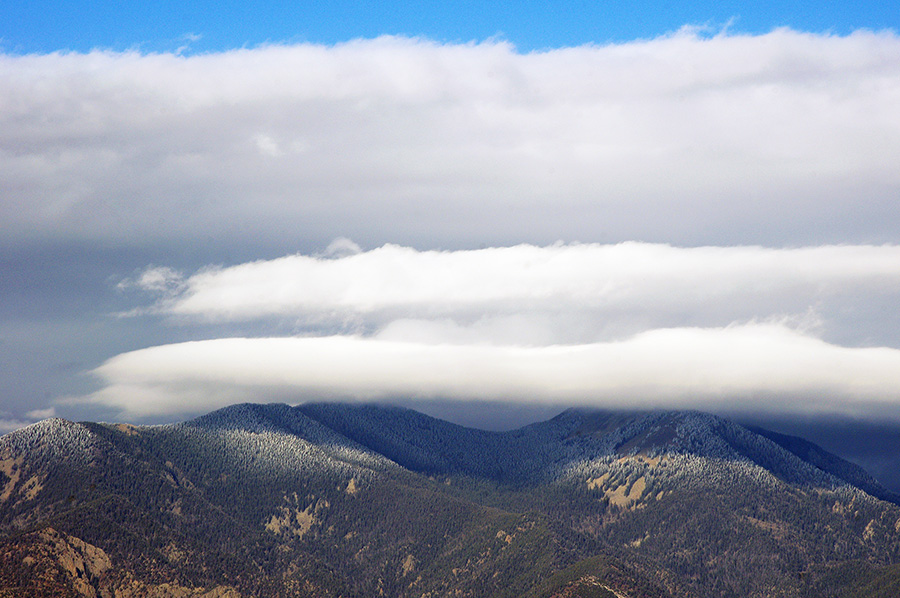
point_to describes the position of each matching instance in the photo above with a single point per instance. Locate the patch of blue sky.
(41, 26)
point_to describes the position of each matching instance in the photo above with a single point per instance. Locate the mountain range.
(352, 500)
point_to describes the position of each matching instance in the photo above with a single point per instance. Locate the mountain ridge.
(329, 499)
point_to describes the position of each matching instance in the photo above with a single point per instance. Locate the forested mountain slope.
(364, 500)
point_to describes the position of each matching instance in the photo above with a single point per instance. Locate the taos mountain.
(331, 500)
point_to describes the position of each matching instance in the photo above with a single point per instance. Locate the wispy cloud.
(42, 413)
(159, 279)
(9, 424)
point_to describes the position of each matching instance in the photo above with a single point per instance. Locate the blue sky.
(40, 26)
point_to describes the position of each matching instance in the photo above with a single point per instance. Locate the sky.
(537, 205)
(44, 26)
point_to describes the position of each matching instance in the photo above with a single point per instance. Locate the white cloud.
(768, 161)
(632, 324)
(544, 295)
(158, 279)
(341, 247)
(38, 414)
(9, 423)
(784, 138)
(750, 367)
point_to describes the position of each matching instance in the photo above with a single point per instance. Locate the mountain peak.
(51, 436)
(359, 500)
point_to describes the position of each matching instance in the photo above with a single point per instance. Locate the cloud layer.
(559, 294)
(601, 325)
(784, 138)
(749, 368)
(734, 197)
